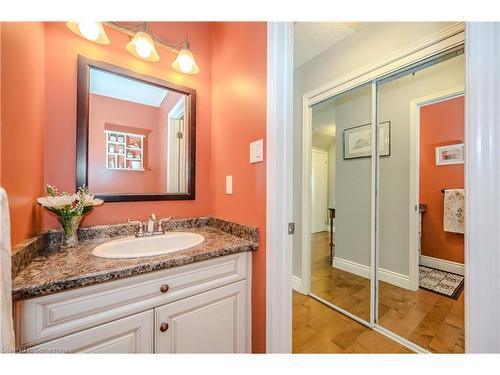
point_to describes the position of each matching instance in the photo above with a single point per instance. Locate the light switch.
(229, 184)
(257, 151)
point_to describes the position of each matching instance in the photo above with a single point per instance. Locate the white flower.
(94, 202)
(89, 200)
(59, 201)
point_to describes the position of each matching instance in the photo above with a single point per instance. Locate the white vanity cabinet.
(202, 307)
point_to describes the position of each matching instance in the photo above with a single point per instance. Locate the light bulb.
(142, 45)
(185, 63)
(143, 48)
(90, 30)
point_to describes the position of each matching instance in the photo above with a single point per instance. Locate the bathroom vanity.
(191, 301)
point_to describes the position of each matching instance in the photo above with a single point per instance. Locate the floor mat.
(441, 282)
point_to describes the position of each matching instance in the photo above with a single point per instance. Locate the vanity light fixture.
(185, 62)
(93, 31)
(142, 45)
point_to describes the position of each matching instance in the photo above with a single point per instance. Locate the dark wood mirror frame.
(82, 130)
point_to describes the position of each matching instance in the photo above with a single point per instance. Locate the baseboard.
(297, 284)
(358, 269)
(441, 264)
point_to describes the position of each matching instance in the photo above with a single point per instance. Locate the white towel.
(7, 342)
(454, 210)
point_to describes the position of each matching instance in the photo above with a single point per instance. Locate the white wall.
(372, 42)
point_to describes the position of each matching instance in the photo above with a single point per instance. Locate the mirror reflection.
(137, 136)
(341, 201)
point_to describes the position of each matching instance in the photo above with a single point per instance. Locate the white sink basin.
(139, 247)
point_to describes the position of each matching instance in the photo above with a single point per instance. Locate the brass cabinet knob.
(164, 288)
(163, 327)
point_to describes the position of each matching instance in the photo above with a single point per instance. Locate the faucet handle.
(160, 223)
(140, 230)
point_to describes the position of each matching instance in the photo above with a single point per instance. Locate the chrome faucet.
(152, 227)
(152, 224)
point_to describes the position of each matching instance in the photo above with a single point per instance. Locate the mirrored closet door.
(414, 232)
(341, 202)
(420, 182)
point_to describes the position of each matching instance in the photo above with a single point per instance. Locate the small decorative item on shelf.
(112, 138)
(130, 155)
(135, 164)
(121, 139)
(112, 148)
(69, 209)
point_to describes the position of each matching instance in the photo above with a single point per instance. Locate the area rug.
(441, 282)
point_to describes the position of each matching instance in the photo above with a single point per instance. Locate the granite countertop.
(54, 269)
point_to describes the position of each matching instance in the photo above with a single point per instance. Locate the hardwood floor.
(430, 320)
(318, 328)
(343, 289)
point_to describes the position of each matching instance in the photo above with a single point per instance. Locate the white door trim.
(415, 106)
(447, 38)
(482, 179)
(279, 174)
(325, 227)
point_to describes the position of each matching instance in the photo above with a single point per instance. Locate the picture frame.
(358, 139)
(450, 154)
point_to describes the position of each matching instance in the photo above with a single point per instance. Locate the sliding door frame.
(446, 39)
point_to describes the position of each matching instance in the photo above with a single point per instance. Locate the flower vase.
(69, 226)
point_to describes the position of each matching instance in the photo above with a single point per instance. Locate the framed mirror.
(136, 135)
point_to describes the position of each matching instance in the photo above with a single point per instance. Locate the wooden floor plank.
(428, 319)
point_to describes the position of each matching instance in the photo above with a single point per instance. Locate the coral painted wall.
(22, 120)
(62, 49)
(239, 117)
(441, 124)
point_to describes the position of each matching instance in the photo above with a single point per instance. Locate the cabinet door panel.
(133, 334)
(211, 322)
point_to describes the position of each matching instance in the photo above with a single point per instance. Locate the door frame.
(279, 185)
(324, 152)
(415, 106)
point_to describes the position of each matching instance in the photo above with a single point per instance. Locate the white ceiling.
(312, 38)
(120, 87)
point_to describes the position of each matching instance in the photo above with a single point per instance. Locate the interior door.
(133, 334)
(211, 322)
(319, 191)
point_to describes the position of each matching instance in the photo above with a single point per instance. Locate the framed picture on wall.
(450, 154)
(358, 141)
